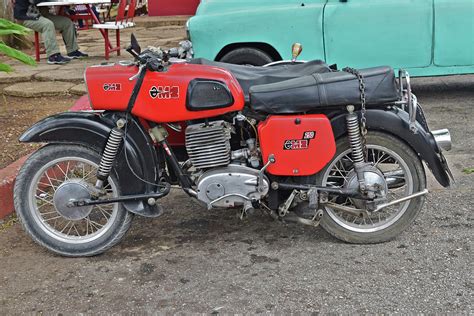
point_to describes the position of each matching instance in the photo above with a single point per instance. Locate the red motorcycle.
(300, 140)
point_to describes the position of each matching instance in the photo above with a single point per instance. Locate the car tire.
(247, 56)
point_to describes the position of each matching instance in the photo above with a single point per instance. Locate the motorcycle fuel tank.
(181, 92)
(301, 144)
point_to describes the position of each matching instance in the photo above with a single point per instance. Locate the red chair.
(118, 25)
(86, 17)
(130, 8)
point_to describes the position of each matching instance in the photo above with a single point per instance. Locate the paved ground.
(200, 261)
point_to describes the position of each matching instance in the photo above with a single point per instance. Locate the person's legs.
(48, 32)
(67, 29)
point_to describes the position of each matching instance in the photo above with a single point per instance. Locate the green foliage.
(468, 170)
(10, 28)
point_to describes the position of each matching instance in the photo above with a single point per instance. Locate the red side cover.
(302, 144)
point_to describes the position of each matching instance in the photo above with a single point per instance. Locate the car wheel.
(247, 56)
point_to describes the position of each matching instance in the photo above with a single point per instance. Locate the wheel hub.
(75, 190)
(374, 182)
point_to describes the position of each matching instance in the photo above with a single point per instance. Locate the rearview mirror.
(134, 43)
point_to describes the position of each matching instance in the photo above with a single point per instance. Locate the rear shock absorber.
(353, 131)
(355, 140)
(110, 153)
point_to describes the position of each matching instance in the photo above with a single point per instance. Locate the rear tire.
(36, 206)
(247, 56)
(337, 226)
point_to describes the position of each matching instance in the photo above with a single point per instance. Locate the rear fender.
(396, 122)
(92, 130)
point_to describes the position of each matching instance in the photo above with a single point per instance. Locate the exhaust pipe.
(443, 139)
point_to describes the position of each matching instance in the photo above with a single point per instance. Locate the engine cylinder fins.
(208, 144)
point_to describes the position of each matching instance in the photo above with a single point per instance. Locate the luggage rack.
(408, 101)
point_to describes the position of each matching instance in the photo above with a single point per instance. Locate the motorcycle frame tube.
(92, 130)
(396, 122)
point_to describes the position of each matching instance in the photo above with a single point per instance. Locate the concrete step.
(153, 21)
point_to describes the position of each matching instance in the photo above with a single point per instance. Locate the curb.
(7, 181)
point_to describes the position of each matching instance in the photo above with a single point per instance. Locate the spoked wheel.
(404, 175)
(48, 181)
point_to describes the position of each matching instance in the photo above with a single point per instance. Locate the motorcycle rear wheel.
(386, 151)
(57, 173)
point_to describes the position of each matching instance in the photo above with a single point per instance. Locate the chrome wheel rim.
(45, 184)
(395, 170)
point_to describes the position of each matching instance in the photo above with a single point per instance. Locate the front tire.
(386, 151)
(247, 56)
(45, 179)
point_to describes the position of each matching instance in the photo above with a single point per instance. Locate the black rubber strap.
(136, 90)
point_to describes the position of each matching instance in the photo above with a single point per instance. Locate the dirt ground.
(193, 260)
(18, 114)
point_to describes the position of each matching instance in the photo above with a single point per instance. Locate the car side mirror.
(296, 50)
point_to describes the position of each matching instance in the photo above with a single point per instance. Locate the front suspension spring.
(353, 131)
(110, 153)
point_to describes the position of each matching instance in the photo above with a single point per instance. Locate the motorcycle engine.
(224, 179)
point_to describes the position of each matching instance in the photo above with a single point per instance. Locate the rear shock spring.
(110, 153)
(353, 131)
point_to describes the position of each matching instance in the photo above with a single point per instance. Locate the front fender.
(396, 122)
(92, 130)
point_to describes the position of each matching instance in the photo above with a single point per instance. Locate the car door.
(365, 33)
(454, 33)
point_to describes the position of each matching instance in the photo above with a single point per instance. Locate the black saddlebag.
(319, 90)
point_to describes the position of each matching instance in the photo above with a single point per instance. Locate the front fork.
(110, 153)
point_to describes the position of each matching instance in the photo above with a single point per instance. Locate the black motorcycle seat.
(337, 88)
(249, 76)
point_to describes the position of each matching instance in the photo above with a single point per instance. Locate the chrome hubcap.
(72, 190)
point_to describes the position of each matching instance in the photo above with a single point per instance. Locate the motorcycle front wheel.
(48, 180)
(404, 174)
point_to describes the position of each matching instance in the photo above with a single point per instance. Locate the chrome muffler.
(443, 139)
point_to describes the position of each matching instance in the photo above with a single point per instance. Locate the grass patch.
(8, 222)
(468, 170)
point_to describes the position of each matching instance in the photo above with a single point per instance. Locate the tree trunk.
(16, 41)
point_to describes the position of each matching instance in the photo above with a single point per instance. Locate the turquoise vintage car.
(426, 37)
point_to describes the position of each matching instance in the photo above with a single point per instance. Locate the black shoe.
(58, 59)
(77, 54)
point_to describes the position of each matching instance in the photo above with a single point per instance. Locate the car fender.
(214, 27)
(395, 121)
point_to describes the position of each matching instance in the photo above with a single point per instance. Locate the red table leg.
(37, 47)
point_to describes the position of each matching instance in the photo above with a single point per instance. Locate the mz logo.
(298, 144)
(112, 87)
(164, 92)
